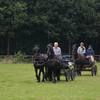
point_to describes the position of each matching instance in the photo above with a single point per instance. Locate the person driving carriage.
(90, 53)
(82, 49)
(56, 49)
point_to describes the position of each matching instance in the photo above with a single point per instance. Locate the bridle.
(36, 50)
(74, 50)
(50, 48)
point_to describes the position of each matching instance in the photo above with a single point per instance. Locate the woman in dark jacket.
(90, 53)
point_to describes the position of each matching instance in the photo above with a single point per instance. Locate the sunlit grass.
(18, 82)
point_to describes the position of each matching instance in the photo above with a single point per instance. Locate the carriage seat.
(65, 58)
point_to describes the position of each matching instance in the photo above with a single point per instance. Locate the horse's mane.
(51, 46)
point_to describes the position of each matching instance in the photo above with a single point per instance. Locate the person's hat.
(90, 46)
(81, 43)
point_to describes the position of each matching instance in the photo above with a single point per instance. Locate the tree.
(28, 22)
(14, 17)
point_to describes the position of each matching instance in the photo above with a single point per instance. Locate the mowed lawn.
(18, 82)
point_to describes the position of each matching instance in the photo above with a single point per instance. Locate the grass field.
(18, 82)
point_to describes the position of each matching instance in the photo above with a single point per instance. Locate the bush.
(18, 57)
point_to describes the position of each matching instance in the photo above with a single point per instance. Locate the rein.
(86, 60)
(40, 62)
(37, 63)
(52, 60)
(83, 58)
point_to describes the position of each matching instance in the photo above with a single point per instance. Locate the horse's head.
(50, 51)
(36, 51)
(74, 49)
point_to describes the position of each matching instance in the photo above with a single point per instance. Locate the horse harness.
(40, 62)
(53, 60)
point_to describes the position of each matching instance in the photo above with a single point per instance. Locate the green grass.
(18, 82)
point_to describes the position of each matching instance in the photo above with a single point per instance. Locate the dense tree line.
(24, 23)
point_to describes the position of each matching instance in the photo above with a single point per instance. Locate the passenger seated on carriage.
(82, 49)
(90, 53)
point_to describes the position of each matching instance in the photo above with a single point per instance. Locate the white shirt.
(57, 50)
(81, 50)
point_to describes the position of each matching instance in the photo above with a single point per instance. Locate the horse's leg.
(54, 75)
(43, 74)
(39, 75)
(36, 73)
(50, 75)
(46, 73)
(79, 70)
(58, 74)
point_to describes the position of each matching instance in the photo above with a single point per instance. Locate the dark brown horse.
(53, 63)
(78, 59)
(39, 62)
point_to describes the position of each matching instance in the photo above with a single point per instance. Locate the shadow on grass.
(27, 81)
(62, 81)
(86, 74)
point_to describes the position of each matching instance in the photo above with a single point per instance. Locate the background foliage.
(24, 23)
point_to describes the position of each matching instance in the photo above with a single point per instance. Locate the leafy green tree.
(27, 22)
(14, 17)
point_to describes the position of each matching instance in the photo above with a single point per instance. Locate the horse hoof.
(38, 81)
(43, 81)
(58, 79)
(50, 79)
(54, 82)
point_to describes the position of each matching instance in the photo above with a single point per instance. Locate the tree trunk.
(92, 42)
(8, 45)
(17, 40)
(86, 45)
(69, 47)
(69, 40)
(16, 44)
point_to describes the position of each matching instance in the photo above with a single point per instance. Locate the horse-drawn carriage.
(87, 66)
(68, 69)
(59, 65)
(82, 63)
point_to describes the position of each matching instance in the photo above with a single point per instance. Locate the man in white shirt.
(81, 49)
(57, 50)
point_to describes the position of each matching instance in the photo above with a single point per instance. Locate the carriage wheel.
(68, 75)
(73, 74)
(95, 70)
(92, 71)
